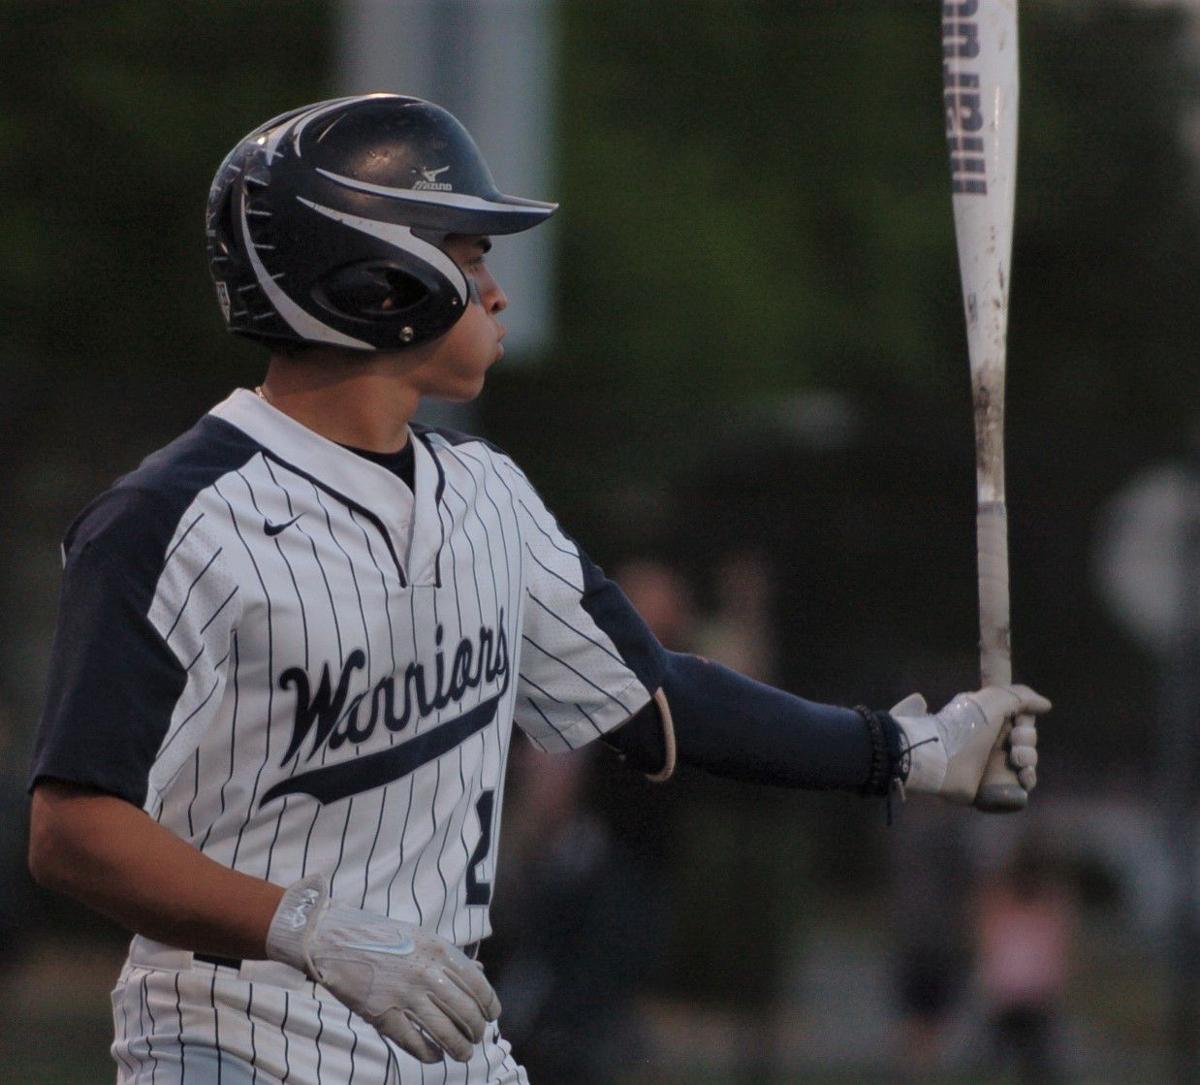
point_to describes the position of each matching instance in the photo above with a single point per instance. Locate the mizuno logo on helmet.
(429, 181)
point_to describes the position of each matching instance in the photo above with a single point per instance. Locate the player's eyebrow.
(477, 241)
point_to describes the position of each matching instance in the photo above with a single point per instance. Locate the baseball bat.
(979, 74)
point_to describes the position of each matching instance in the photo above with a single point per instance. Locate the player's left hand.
(417, 989)
(949, 749)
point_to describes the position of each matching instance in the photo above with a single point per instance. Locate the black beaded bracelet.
(879, 779)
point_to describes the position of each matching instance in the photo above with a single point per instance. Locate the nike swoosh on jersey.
(275, 529)
(393, 949)
(333, 782)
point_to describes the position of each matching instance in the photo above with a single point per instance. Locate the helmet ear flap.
(370, 290)
(416, 300)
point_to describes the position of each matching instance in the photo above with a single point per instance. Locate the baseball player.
(292, 646)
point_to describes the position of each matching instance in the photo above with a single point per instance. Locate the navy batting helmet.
(327, 224)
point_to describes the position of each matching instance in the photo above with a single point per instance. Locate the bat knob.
(1001, 797)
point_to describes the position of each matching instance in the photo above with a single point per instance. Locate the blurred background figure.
(661, 595)
(738, 633)
(579, 927)
(928, 896)
(1026, 921)
(733, 929)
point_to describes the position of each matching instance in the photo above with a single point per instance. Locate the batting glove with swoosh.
(415, 988)
(949, 750)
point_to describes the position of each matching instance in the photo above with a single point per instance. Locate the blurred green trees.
(755, 206)
(116, 117)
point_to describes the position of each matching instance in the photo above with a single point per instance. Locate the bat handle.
(999, 790)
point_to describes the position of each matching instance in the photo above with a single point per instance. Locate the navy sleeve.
(112, 682)
(612, 611)
(735, 727)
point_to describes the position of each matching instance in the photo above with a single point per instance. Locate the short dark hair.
(285, 348)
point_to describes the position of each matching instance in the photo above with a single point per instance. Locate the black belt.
(224, 962)
(471, 951)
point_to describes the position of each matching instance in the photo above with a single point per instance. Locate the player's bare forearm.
(111, 856)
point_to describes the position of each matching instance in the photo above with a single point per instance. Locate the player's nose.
(492, 294)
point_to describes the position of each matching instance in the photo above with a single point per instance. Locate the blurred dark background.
(754, 405)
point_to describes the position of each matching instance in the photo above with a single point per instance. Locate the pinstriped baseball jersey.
(298, 664)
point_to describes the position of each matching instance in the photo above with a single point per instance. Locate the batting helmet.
(327, 225)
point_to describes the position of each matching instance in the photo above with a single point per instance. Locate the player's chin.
(462, 390)
(474, 379)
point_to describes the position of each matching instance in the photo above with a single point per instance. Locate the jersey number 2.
(481, 892)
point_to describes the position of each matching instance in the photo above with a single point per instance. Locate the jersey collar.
(413, 523)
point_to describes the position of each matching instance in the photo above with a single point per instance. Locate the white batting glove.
(949, 750)
(414, 987)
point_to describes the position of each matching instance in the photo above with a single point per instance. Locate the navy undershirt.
(401, 464)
